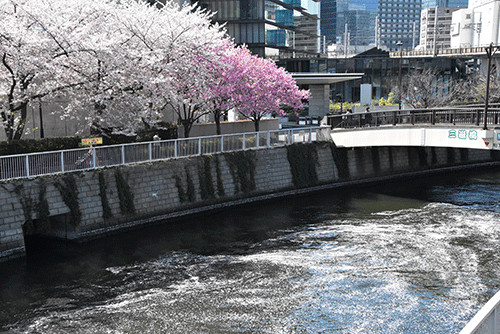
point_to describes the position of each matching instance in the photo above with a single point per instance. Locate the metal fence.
(487, 320)
(44, 163)
(448, 116)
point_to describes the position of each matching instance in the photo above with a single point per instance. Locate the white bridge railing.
(45, 163)
(487, 320)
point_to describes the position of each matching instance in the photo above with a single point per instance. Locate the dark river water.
(407, 257)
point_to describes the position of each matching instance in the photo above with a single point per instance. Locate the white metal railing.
(487, 320)
(44, 163)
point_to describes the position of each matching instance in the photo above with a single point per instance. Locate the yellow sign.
(92, 141)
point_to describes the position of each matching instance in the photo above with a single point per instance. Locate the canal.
(408, 257)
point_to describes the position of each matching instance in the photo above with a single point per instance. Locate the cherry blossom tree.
(43, 52)
(253, 86)
(259, 88)
(117, 62)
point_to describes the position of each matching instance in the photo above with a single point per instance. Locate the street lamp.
(490, 51)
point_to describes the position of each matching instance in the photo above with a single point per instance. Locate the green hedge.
(24, 146)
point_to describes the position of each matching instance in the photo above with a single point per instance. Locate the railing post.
(268, 139)
(257, 139)
(175, 148)
(150, 153)
(27, 166)
(310, 135)
(453, 114)
(433, 120)
(222, 143)
(243, 143)
(62, 161)
(93, 157)
(199, 146)
(123, 154)
(290, 137)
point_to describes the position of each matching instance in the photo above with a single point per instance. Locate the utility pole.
(345, 41)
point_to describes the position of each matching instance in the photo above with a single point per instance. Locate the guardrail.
(45, 163)
(487, 320)
(453, 116)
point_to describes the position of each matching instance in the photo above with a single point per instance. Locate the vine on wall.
(106, 210)
(242, 168)
(27, 205)
(191, 195)
(303, 159)
(220, 184)
(42, 208)
(340, 160)
(180, 189)
(125, 195)
(69, 192)
(207, 190)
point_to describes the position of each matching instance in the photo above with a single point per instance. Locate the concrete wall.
(210, 129)
(115, 199)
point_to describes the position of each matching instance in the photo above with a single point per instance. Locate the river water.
(407, 257)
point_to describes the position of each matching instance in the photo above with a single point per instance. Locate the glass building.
(271, 28)
(358, 15)
(444, 3)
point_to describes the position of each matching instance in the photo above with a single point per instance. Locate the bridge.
(446, 127)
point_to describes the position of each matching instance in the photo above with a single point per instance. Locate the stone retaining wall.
(90, 204)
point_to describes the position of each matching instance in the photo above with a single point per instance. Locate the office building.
(399, 21)
(328, 23)
(440, 32)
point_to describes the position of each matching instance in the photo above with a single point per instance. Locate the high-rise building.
(270, 28)
(328, 23)
(399, 21)
(444, 3)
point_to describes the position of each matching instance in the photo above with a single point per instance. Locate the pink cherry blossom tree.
(255, 87)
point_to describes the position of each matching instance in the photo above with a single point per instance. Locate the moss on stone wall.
(242, 167)
(125, 195)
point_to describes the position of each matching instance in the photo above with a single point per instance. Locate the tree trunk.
(187, 127)
(217, 123)
(256, 122)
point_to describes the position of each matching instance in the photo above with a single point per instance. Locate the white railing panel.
(487, 320)
(13, 167)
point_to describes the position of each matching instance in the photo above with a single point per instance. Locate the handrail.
(53, 162)
(487, 320)
(450, 115)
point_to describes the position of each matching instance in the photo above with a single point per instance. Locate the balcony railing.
(44, 163)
